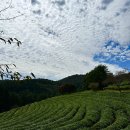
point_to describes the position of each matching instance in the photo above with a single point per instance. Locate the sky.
(66, 37)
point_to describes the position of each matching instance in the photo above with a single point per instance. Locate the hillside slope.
(77, 80)
(78, 111)
(15, 94)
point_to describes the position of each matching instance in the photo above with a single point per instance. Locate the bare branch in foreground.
(11, 17)
(6, 7)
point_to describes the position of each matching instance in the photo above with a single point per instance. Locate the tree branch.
(6, 7)
(12, 17)
(11, 40)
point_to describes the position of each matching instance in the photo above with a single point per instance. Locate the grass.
(114, 87)
(107, 110)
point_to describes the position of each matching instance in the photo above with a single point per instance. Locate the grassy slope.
(14, 94)
(114, 87)
(79, 111)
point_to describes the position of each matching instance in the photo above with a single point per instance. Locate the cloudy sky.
(65, 37)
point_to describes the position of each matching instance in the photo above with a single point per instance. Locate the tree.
(119, 78)
(67, 88)
(97, 75)
(5, 72)
(93, 86)
(109, 80)
(9, 40)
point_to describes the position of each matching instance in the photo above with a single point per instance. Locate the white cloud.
(63, 38)
(113, 51)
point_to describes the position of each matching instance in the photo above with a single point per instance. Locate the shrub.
(125, 82)
(67, 88)
(94, 86)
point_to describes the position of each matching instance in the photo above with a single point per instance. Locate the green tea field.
(79, 111)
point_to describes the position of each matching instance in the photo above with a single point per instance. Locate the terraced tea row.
(79, 111)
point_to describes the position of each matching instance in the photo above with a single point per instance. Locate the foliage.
(78, 111)
(11, 41)
(7, 73)
(119, 78)
(94, 86)
(18, 93)
(76, 80)
(67, 88)
(109, 80)
(5, 68)
(115, 87)
(98, 74)
(120, 81)
(14, 94)
(125, 82)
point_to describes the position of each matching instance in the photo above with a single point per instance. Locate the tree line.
(18, 93)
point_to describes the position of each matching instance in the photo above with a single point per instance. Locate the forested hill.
(77, 80)
(19, 93)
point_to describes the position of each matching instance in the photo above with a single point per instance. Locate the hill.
(19, 93)
(77, 80)
(79, 111)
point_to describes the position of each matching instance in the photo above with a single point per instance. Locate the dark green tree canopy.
(97, 75)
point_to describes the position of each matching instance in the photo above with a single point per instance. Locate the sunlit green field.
(79, 111)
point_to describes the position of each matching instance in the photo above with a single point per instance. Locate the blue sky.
(65, 37)
(113, 52)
